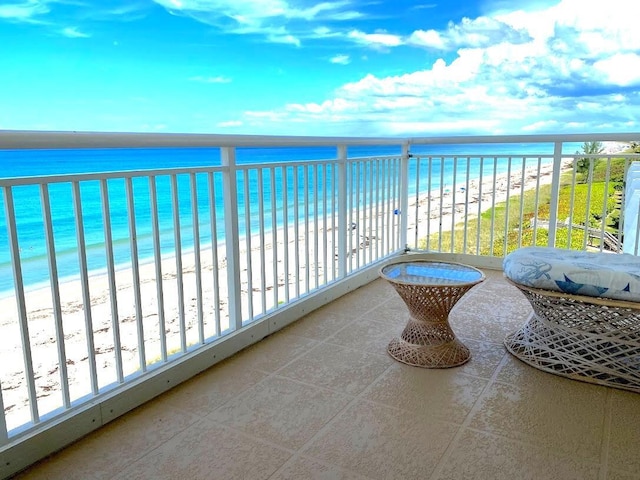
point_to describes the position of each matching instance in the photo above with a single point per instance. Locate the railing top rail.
(549, 138)
(29, 139)
(630, 155)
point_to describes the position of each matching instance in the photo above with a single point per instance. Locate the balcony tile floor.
(322, 400)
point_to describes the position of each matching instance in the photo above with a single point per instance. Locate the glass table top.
(431, 273)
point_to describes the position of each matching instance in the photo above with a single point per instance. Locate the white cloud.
(341, 59)
(439, 126)
(156, 127)
(429, 38)
(425, 6)
(255, 11)
(479, 32)
(278, 20)
(229, 124)
(322, 31)
(73, 32)
(24, 11)
(622, 69)
(573, 66)
(347, 15)
(381, 39)
(54, 14)
(216, 79)
(542, 125)
(332, 106)
(284, 38)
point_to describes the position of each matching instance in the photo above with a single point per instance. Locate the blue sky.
(300, 67)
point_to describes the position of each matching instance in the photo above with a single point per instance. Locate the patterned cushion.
(607, 275)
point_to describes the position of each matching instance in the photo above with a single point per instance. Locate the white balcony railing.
(118, 285)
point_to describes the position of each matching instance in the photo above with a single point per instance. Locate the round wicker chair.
(591, 339)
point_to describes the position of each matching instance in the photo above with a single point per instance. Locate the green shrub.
(616, 172)
(583, 205)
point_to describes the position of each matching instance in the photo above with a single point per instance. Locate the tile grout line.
(296, 454)
(240, 433)
(444, 459)
(276, 374)
(301, 456)
(116, 474)
(267, 377)
(461, 427)
(301, 450)
(196, 419)
(118, 471)
(606, 437)
(351, 320)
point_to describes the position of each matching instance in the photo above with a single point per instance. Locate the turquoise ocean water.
(28, 207)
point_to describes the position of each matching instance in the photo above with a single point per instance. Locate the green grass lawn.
(508, 234)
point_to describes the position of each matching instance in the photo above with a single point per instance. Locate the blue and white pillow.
(615, 276)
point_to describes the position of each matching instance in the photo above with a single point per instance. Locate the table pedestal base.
(429, 345)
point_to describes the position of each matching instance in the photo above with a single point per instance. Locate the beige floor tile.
(383, 443)
(390, 314)
(273, 352)
(443, 393)
(282, 411)
(504, 300)
(393, 313)
(470, 320)
(619, 475)
(379, 288)
(479, 455)
(338, 368)
(208, 451)
(309, 469)
(319, 325)
(60, 466)
(516, 371)
(624, 442)
(361, 300)
(373, 337)
(485, 358)
(533, 404)
(121, 442)
(213, 388)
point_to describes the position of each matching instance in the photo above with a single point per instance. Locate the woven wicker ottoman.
(430, 290)
(586, 314)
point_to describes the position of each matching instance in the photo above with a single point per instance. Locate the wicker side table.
(430, 290)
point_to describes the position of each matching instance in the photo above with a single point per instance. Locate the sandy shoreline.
(213, 304)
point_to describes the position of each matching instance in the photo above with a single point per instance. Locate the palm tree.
(588, 148)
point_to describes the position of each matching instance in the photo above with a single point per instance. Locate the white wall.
(631, 243)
